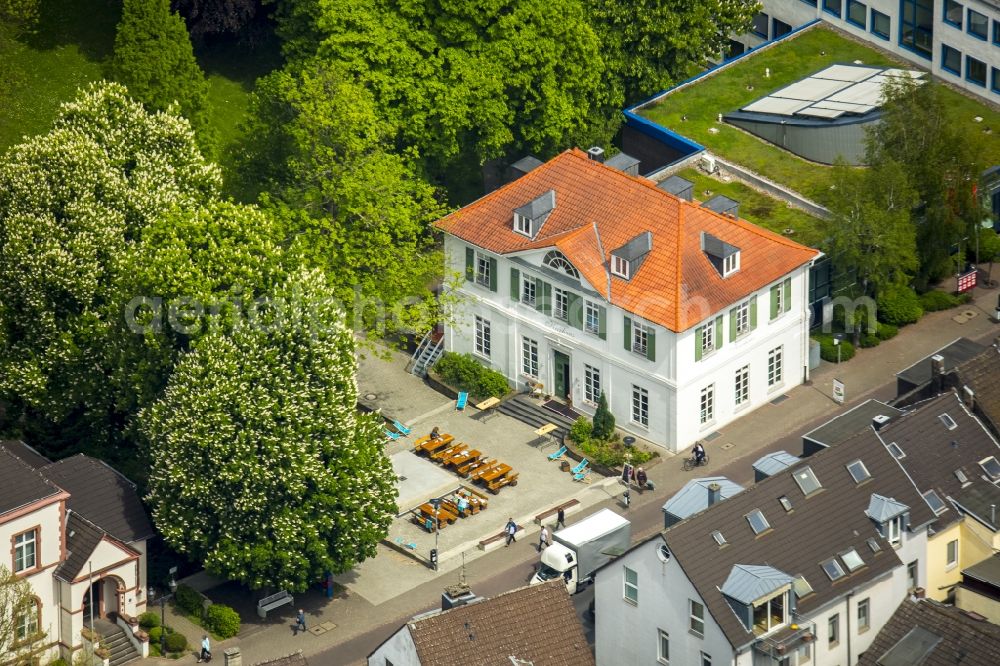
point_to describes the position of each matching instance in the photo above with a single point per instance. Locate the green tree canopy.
(16, 600)
(265, 470)
(73, 203)
(154, 59)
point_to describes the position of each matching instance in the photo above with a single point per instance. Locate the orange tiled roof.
(599, 209)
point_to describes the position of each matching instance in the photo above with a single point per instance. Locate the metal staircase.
(427, 353)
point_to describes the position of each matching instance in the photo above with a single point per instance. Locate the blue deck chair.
(392, 435)
(463, 400)
(558, 454)
(401, 428)
(579, 468)
(581, 476)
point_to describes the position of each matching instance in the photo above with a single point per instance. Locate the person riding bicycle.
(699, 454)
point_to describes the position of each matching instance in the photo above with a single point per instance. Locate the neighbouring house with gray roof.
(697, 495)
(920, 375)
(869, 414)
(78, 535)
(776, 574)
(773, 463)
(979, 591)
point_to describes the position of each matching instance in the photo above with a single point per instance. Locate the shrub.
(154, 635)
(886, 331)
(933, 301)
(604, 420)
(223, 620)
(58, 662)
(963, 298)
(828, 350)
(868, 340)
(581, 430)
(148, 620)
(611, 453)
(465, 373)
(188, 598)
(176, 642)
(899, 305)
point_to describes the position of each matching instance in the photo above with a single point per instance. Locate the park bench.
(508, 479)
(554, 511)
(273, 601)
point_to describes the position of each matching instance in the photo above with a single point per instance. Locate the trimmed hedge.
(886, 331)
(828, 350)
(223, 620)
(149, 620)
(176, 642)
(465, 373)
(934, 301)
(154, 635)
(898, 305)
(188, 598)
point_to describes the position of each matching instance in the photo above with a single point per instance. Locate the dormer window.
(892, 530)
(771, 614)
(522, 224)
(731, 264)
(556, 260)
(619, 267)
(991, 467)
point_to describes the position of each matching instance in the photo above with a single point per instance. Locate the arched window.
(28, 621)
(557, 260)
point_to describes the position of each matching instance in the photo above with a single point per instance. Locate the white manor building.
(586, 279)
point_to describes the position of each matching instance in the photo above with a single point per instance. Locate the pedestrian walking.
(206, 649)
(561, 518)
(640, 478)
(511, 530)
(543, 539)
(300, 621)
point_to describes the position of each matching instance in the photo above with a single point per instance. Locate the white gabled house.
(587, 280)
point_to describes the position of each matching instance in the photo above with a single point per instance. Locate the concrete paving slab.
(384, 384)
(419, 479)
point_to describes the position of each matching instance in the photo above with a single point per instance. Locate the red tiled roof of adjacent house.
(535, 624)
(599, 209)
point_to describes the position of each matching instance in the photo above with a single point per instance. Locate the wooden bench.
(447, 452)
(428, 445)
(478, 473)
(554, 511)
(467, 469)
(461, 458)
(498, 538)
(494, 473)
(477, 501)
(444, 516)
(508, 479)
(273, 601)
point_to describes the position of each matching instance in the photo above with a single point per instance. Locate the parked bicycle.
(692, 462)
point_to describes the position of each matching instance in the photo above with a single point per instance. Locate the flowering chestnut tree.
(263, 467)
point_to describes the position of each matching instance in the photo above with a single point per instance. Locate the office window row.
(975, 70)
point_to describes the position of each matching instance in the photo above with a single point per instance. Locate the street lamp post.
(836, 343)
(163, 618)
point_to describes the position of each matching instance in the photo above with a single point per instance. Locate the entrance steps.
(531, 412)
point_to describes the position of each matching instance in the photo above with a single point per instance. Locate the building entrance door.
(562, 375)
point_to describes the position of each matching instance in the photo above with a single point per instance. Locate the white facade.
(674, 394)
(398, 650)
(634, 633)
(954, 25)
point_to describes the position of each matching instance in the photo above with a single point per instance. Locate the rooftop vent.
(623, 162)
(880, 421)
(596, 153)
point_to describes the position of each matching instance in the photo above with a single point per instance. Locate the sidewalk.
(401, 588)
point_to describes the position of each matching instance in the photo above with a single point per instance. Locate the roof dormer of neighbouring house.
(529, 218)
(625, 260)
(722, 255)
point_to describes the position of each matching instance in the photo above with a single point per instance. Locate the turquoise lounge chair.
(579, 468)
(463, 400)
(392, 435)
(401, 428)
(558, 454)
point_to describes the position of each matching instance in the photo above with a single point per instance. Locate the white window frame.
(560, 304)
(708, 338)
(742, 386)
(833, 630)
(482, 270)
(864, 615)
(23, 543)
(767, 610)
(620, 267)
(951, 554)
(591, 384)
(730, 264)
(743, 318)
(780, 300)
(529, 294)
(522, 224)
(662, 647)
(706, 659)
(529, 357)
(483, 337)
(696, 620)
(775, 366)
(894, 530)
(640, 339)
(27, 623)
(706, 405)
(592, 318)
(640, 406)
(630, 586)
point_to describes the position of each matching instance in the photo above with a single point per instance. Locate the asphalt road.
(505, 569)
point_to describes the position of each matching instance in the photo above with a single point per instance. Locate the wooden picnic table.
(427, 445)
(467, 468)
(444, 516)
(447, 452)
(477, 473)
(510, 478)
(489, 403)
(462, 457)
(495, 472)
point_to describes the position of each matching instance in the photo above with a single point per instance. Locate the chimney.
(880, 421)
(969, 398)
(456, 595)
(937, 373)
(714, 493)
(596, 153)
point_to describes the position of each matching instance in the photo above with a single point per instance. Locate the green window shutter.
(628, 334)
(470, 264)
(732, 324)
(753, 312)
(697, 343)
(602, 323)
(774, 300)
(718, 332)
(787, 300)
(515, 285)
(574, 312)
(539, 295)
(546, 298)
(493, 274)
(651, 344)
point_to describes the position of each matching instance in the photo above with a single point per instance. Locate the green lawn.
(757, 207)
(72, 47)
(790, 61)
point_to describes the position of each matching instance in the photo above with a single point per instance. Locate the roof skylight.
(896, 452)
(802, 587)
(991, 467)
(858, 471)
(948, 422)
(785, 502)
(758, 523)
(808, 483)
(852, 560)
(873, 544)
(833, 569)
(960, 475)
(719, 537)
(934, 501)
